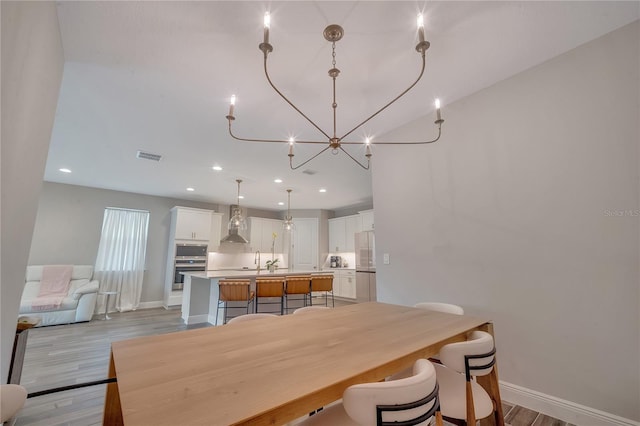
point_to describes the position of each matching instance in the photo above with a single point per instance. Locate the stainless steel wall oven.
(189, 258)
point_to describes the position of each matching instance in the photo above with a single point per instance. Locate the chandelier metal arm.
(404, 143)
(302, 164)
(267, 140)
(391, 102)
(359, 163)
(266, 73)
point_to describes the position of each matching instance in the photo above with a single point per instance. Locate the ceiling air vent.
(148, 156)
(309, 172)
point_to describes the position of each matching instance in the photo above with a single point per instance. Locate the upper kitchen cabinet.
(261, 235)
(353, 225)
(216, 231)
(342, 233)
(337, 233)
(192, 224)
(367, 220)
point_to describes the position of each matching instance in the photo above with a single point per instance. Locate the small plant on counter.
(272, 264)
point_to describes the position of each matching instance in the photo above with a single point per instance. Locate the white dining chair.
(409, 401)
(461, 397)
(307, 309)
(447, 308)
(251, 317)
(12, 398)
(440, 307)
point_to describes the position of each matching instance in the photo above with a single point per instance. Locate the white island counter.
(200, 292)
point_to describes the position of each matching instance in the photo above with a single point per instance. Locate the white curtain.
(121, 257)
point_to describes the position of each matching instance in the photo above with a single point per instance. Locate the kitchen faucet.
(256, 260)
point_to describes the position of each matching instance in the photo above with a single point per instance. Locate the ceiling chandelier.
(288, 224)
(334, 33)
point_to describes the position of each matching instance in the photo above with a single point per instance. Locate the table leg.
(112, 408)
(491, 385)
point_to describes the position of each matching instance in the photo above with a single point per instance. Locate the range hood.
(233, 236)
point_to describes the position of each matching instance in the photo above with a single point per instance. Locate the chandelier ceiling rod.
(334, 33)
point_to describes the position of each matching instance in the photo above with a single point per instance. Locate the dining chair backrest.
(307, 309)
(234, 290)
(250, 317)
(440, 307)
(411, 400)
(474, 357)
(12, 399)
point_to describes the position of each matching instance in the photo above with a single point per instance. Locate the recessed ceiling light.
(323, 190)
(65, 170)
(217, 168)
(281, 203)
(278, 180)
(190, 189)
(241, 197)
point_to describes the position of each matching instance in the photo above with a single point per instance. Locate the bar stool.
(270, 288)
(323, 283)
(234, 290)
(297, 285)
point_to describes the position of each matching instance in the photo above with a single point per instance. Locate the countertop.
(252, 273)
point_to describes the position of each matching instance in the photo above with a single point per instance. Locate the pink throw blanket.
(54, 287)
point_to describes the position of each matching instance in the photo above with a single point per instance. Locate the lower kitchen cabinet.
(344, 284)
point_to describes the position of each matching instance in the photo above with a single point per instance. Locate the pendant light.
(288, 224)
(236, 223)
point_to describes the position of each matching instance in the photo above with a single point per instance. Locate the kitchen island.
(200, 292)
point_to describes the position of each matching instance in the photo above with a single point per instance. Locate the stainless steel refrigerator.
(365, 266)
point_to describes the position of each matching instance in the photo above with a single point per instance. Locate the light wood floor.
(75, 353)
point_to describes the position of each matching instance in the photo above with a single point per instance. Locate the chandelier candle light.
(334, 33)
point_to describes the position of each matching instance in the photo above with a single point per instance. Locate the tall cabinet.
(189, 226)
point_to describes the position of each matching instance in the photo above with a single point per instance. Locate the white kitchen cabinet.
(337, 232)
(344, 284)
(191, 224)
(261, 235)
(342, 232)
(216, 231)
(353, 224)
(367, 220)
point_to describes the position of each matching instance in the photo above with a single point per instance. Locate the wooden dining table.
(274, 370)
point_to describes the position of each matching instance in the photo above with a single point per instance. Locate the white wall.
(527, 213)
(32, 66)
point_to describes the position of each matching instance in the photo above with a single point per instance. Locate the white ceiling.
(157, 76)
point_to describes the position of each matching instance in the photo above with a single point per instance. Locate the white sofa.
(76, 307)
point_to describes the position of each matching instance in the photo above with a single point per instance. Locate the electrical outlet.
(385, 258)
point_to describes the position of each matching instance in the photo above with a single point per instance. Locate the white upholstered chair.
(461, 397)
(412, 401)
(12, 398)
(447, 308)
(440, 307)
(307, 309)
(251, 317)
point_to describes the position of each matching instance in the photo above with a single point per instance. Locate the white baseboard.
(559, 408)
(151, 305)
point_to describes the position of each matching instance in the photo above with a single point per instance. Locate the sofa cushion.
(34, 272)
(68, 303)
